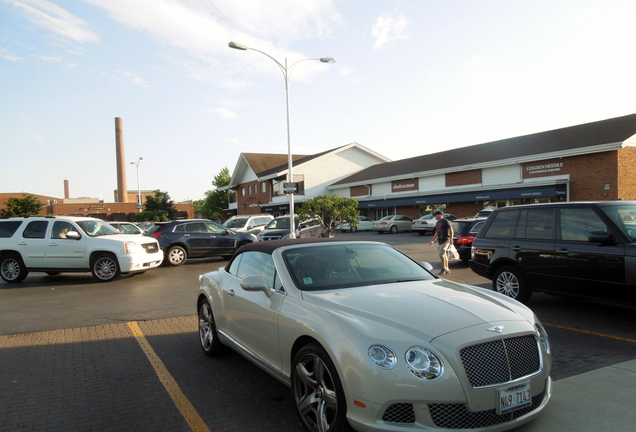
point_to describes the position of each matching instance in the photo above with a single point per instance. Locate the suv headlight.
(424, 363)
(129, 247)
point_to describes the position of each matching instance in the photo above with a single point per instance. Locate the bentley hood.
(425, 309)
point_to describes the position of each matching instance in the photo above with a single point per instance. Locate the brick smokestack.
(122, 188)
(66, 194)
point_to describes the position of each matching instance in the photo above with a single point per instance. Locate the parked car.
(585, 249)
(484, 212)
(443, 355)
(253, 224)
(364, 224)
(393, 224)
(426, 224)
(144, 226)
(127, 227)
(465, 231)
(280, 228)
(55, 244)
(196, 238)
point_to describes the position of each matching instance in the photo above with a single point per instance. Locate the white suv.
(252, 224)
(55, 244)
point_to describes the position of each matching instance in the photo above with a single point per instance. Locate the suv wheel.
(176, 255)
(510, 282)
(12, 269)
(393, 229)
(105, 268)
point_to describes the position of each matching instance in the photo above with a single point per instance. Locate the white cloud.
(387, 29)
(5, 54)
(53, 18)
(224, 113)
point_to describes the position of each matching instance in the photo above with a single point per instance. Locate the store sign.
(546, 168)
(404, 185)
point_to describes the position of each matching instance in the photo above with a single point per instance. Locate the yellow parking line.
(591, 333)
(181, 402)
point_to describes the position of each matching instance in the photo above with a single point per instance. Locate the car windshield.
(280, 223)
(625, 217)
(97, 228)
(235, 223)
(326, 267)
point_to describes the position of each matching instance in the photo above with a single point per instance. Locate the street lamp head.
(237, 46)
(328, 59)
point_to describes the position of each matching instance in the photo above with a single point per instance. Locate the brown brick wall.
(588, 175)
(106, 208)
(249, 204)
(627, 173)
(463, 178)
(410, 211)
(360, 190)
(464, 209)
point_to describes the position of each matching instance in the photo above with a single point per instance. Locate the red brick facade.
(250, 197)
(360, 190)
(462, 178)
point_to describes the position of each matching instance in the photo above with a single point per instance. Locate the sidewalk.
(601, 400)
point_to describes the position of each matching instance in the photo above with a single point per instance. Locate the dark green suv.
(585, 249)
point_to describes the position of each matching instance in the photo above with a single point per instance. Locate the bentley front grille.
(500, 361)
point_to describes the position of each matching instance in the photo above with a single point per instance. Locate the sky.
(412, 77)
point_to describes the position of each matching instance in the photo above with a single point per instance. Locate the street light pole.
(139, 205)
(286, 70)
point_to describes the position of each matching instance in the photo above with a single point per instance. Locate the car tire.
(509, 281)
(317, 391)
(105, 267)
(176, 256)
(208, 336)
(393, 229)
(12, 269)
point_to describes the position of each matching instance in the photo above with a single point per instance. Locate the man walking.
(444, 236)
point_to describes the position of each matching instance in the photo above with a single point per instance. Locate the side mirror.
(601, 237)
(427, 266)
(73, 235)
(256, 283)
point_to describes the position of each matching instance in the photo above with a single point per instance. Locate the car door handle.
(186, 235)
(515, 248)
(231, 292)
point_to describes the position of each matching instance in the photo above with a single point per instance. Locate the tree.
(331, 211)
(215, 201)
(30, 205)
(157, 208)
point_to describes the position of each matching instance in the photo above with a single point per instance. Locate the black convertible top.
(270, 246)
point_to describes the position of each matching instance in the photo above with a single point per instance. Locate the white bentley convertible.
(367, 338)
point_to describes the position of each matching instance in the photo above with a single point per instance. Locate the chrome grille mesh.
(457, 416)
(399, 413)
(501, 361)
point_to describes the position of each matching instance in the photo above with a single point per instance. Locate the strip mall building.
(589, 162)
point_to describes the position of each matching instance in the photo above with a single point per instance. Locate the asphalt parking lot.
(77, 355)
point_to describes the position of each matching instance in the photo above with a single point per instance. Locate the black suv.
(585, 249)
(465, 231)
(196, 238)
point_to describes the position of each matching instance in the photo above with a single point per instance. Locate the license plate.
(513, 398)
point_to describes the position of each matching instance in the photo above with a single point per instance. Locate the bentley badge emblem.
(497, 329)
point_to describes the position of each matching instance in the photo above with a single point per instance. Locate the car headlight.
(383, 356)
(129, 247)
(543, 337)
(424, 363)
